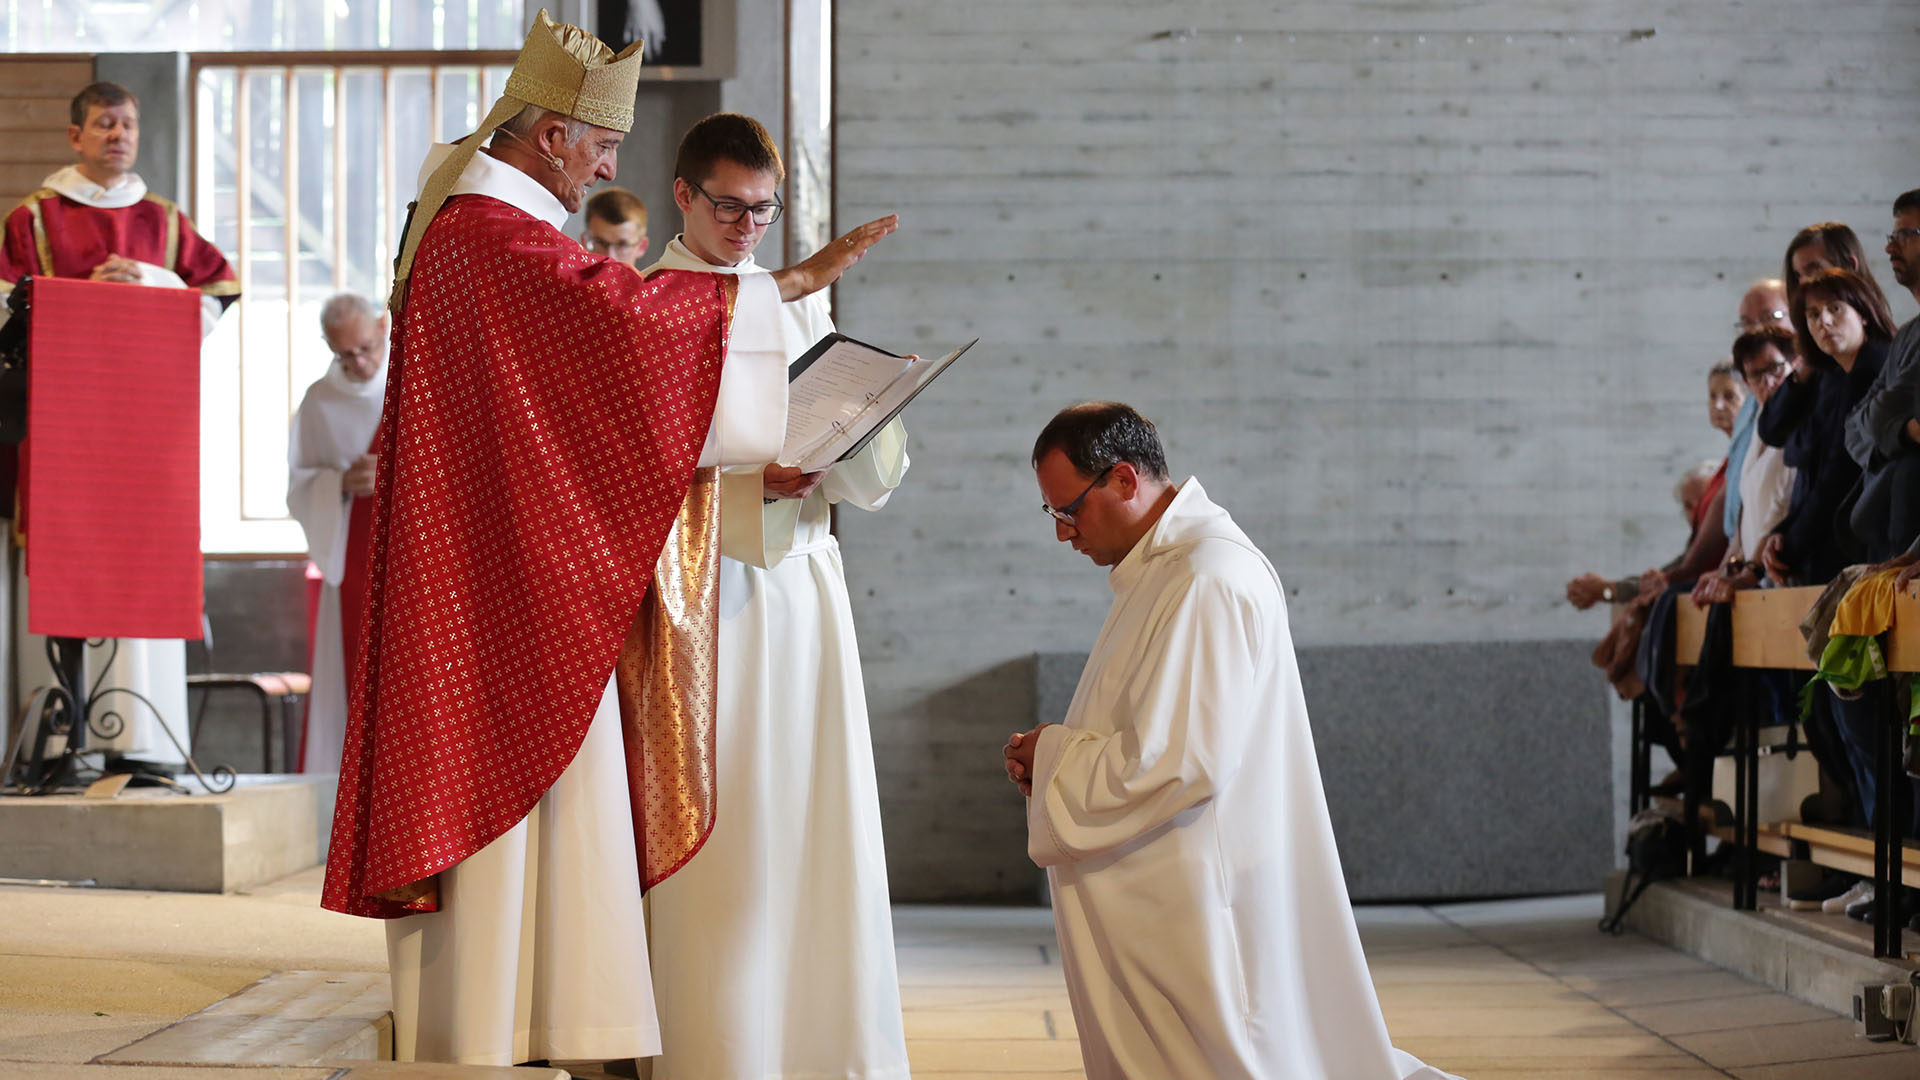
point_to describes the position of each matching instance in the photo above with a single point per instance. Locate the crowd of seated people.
(1821, 485)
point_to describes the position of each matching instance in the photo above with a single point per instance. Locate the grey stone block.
(1451, 771)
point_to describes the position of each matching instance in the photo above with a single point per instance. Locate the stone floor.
(1508, 989)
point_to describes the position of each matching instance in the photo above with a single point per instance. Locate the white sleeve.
(1180, 745)
(868, 479)
(750, 418)
(315, 500)
(159, 277)
(752, 530)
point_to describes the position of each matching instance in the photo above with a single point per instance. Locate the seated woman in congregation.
(1842, 328)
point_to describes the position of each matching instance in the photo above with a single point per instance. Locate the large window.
(302, 174)
(189, 25)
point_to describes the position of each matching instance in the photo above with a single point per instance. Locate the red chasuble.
(545, 409)
(53, 236)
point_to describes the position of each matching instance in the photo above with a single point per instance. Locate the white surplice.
(1203, 920)
(773, 947)
(539, 948)
(332, 429)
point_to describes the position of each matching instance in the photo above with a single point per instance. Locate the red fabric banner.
(111, 480)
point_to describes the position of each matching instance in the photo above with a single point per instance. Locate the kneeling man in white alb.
(1203, 919)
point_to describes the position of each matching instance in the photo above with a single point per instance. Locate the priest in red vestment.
(96, 219)
(525, 751)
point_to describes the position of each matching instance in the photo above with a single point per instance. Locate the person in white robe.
(773, 947)
(1203, 920)
(329, 465)
(539, 949)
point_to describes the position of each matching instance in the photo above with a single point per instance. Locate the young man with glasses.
(787, 902)
(616, 226)
(1203, 920)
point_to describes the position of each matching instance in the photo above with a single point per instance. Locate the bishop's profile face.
(594, 158)
(108, 142)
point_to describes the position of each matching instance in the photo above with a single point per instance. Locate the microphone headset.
(553, 162)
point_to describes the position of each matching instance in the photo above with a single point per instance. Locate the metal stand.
(71, 710)
(1746, 792)
(1640, 781)
(1888, 853)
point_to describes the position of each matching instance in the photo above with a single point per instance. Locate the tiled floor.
(1492, 991)
(1505, 990)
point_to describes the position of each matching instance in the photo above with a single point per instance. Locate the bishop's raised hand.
(825, 266)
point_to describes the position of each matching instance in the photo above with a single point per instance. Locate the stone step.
(1798, 955)
(287, 1018)
(344, 1070)
(150, 838)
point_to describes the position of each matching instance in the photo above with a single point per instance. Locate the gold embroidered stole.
(665, 681)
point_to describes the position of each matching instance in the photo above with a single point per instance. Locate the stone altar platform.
(267, 827)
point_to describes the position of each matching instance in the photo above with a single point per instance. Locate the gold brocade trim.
(221, 288)
(665, 681)
(173, 229)
(423, 894)
(40, 245)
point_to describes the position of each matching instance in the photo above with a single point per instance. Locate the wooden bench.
(285, 688)
(1766, 635)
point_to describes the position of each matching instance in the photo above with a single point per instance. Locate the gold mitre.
(570, 71)
(562, 68)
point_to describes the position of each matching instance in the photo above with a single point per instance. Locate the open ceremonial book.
(842, 392)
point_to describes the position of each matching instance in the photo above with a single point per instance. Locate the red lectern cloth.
(110, 486)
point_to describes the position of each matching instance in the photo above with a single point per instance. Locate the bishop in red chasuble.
(523, 753)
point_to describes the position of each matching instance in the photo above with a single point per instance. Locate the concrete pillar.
(159, 80)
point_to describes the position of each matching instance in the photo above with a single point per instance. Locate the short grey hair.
(343, 306)
(533, 116)
(1701, 474)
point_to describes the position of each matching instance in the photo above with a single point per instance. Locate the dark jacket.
(1808, 420)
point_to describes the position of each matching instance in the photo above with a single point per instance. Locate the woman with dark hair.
(1825, 245)
(1843, 326)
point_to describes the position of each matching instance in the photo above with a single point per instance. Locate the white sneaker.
(1862, 890)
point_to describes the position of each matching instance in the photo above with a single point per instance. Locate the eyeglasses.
(609, 247)
(1065, 514)
(354, 354)
(1754, 375)
(728, 211)
(1766, 318)
(1898, 235)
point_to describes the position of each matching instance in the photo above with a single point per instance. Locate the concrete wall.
(1424, 294)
